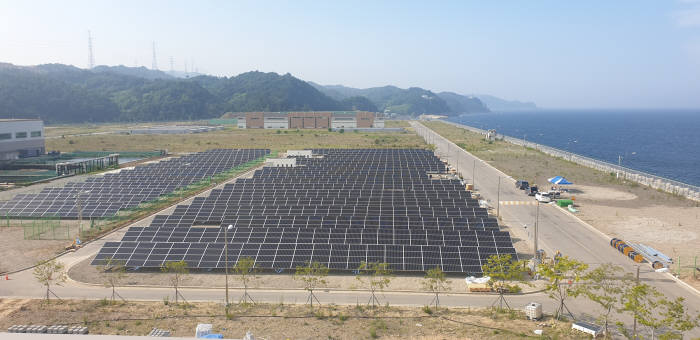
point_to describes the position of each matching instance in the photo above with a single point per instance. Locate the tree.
(376, 276)
(247, 273)
(651, 309)
(604, 286)
(312, 275)
(436, 282)
(676, 318)
(178, 269)
(502, 269)
(113, 271)
(561, 274)
(50, 272)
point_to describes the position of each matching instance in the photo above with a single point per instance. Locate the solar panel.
(339, 207)
(106, 194)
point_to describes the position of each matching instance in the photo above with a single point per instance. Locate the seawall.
(688, 191)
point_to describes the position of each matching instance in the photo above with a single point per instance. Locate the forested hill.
(63, 94)
(60, 93)
(414, 100)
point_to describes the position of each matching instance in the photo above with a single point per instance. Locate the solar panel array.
(104, 195)
(340, 209)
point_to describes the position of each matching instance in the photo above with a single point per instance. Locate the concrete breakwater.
(689, 191)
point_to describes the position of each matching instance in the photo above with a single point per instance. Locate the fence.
(55, 228)
(664, 184)
(98, 226)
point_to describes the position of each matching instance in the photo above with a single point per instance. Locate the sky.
(559, 54)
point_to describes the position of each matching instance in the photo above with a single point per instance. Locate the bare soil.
(278, 321)
(238, 138)
(623, 209)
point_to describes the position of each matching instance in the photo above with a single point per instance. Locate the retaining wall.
(691, 192)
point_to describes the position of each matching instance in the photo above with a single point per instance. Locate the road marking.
(518, 202)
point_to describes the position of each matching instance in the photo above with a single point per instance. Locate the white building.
(20, 138)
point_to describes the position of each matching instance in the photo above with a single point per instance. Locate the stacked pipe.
(628, 251)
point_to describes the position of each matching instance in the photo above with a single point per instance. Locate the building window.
(4, 136)
(35, 134)
(20, 135)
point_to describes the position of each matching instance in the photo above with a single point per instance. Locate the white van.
(543, 197)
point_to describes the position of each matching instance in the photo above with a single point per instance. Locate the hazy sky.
(635, 53)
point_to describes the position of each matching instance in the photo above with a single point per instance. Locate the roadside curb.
(334, 290)
(602, 234)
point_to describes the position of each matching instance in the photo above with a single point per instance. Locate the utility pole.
(498, 198)
(474, 174)
(537, 220)
(154, 64)
(634, 328)
(226, 254)
(619, 165)
(91, 57)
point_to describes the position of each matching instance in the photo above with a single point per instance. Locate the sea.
(665, 143)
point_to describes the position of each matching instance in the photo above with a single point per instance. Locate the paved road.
(558, 229)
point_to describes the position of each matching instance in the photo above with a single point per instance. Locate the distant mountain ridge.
(414, 100)
(498, 104)
(65, 94)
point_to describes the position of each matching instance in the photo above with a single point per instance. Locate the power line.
(91, 56)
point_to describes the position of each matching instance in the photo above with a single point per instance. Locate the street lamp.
(230, 226)
(80, 209)
(537, 220)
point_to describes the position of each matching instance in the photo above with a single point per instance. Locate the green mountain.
(498, 104)
(63, 94)
(460, 104)
(258, 91)
(411, 101)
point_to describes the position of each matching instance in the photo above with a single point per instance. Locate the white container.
(202, 330)
(533, 311)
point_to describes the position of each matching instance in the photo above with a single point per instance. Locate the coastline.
(674, 187)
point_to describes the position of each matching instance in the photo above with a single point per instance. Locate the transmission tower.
(172, 64)
(91, 57)
(154, 66)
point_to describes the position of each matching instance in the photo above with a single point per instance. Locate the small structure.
(300, 153)
(533, 311)
(20, 138)
(586, 327)
(491, 134)
(88, 165)
(281, 162)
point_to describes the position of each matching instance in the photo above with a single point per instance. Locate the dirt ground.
(276, 140)
(281, 321)
(84, 272)
(16, 252)
(623, 209)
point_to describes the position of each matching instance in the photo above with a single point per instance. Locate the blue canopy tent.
(558, 180)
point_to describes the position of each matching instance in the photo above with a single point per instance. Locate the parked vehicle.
(543, 197)
(554, 194)
(522, 185)
(532, 191)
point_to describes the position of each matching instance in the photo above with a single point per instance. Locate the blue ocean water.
(661, 142)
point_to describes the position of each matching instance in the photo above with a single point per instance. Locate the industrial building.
(310, 120)
(20, 138)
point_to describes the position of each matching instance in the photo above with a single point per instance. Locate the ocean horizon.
(662, 142)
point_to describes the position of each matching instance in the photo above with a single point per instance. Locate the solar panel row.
(104, 195)
(339, 207)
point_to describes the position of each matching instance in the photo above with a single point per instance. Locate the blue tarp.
(559, 180)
